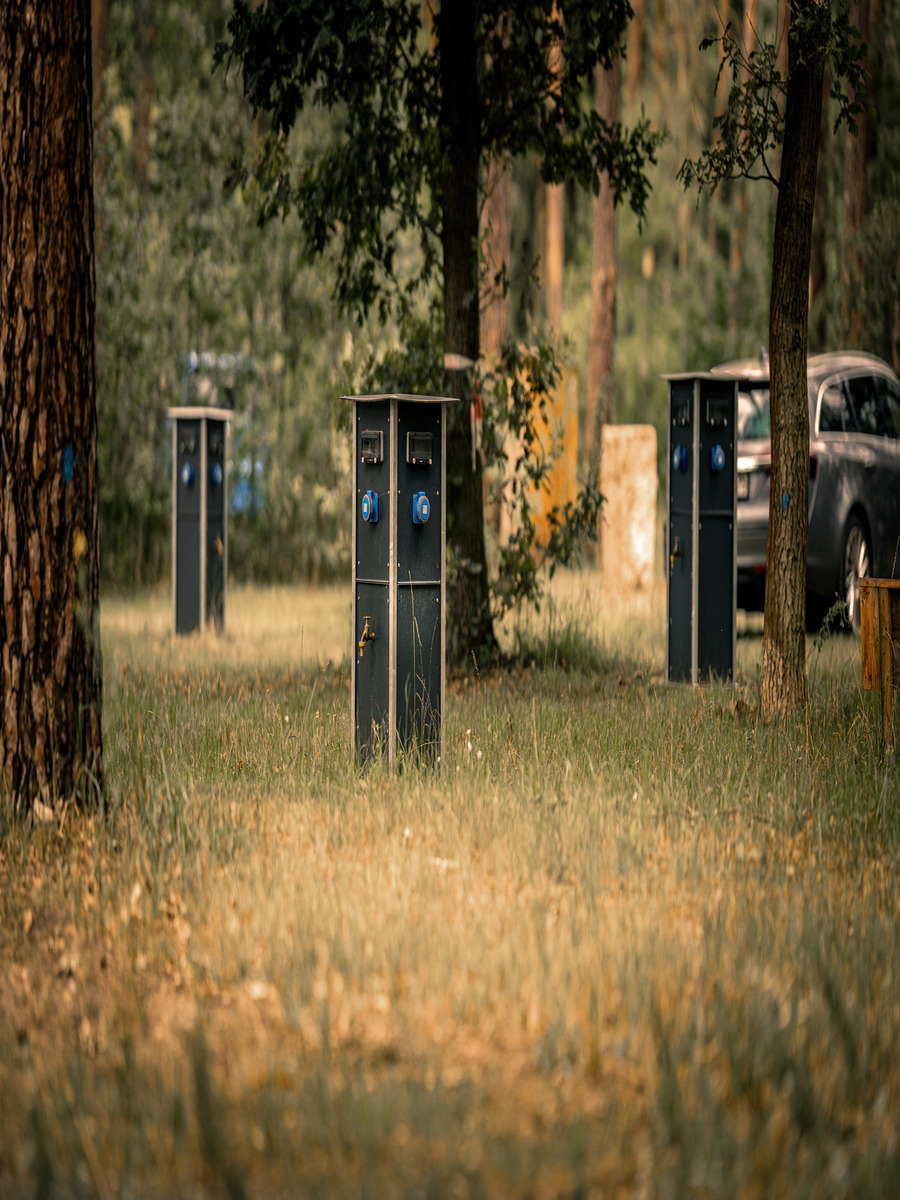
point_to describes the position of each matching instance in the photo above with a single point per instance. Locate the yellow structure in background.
(556, 430)
(558, 434)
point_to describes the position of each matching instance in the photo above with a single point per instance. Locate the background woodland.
(198, 303)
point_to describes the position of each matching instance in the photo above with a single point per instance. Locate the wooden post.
(880, 618)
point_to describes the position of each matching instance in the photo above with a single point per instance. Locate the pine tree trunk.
(50, 727)
(783, 671)
(99, 48)
(554, 253)
(854, 206)
(555, 219)
(470, 625)
(602, 330)
(635, 58)
(738, 230)
(496, 236)
(144, 90)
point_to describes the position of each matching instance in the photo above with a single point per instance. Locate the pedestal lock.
(717, 459)
(187, 474)
(679, 458)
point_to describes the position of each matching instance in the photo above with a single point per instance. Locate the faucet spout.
(368, 635)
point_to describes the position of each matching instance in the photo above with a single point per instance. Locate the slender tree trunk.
(738, 231)
(719, 104)
(555, 221)
(554, 252)
(783, 671)
(99, 53)
(99, 47)
(496, 236)
(144, 90)
(602, 331)
(635, 57)
(469, 615)
(50, 680)
(782, 35)
(854, 209)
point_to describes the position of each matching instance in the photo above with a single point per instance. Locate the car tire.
(855, 561)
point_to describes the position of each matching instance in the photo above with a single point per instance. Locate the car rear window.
(865, 411)
(891, 394)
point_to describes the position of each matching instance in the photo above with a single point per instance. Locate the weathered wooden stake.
(879, 609)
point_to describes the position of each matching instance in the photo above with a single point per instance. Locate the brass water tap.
(677, 552)
(368, 635)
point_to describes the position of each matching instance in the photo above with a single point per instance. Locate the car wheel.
(854, 565)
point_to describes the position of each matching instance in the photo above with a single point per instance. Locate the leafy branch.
(752, 125)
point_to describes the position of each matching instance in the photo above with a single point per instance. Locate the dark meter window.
(419, 449)
(372, 446)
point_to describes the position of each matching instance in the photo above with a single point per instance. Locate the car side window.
(865, 410)
(831, 409)
(891, 395)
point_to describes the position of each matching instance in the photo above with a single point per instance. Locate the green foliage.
(692, 284)
(751, 126)
(373, 186)
(515, 396)
(182, 267)
(520, 387)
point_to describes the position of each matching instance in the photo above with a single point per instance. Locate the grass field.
(626, 942)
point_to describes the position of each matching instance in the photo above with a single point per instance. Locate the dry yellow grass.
(626, 942)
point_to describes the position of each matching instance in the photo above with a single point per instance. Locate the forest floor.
(626, 940)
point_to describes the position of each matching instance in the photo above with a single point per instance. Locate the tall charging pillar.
(399, 553)
(701, 528)
(199, 517)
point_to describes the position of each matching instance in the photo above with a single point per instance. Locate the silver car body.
(854, 420)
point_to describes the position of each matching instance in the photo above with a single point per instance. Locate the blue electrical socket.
(421, 508)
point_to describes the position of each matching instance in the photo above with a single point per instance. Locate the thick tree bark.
(783, 671)
(50, 682)
(471, 630)
(602, 330)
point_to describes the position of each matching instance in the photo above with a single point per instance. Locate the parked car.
(854, 478)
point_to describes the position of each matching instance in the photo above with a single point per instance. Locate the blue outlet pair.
(421, 509)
